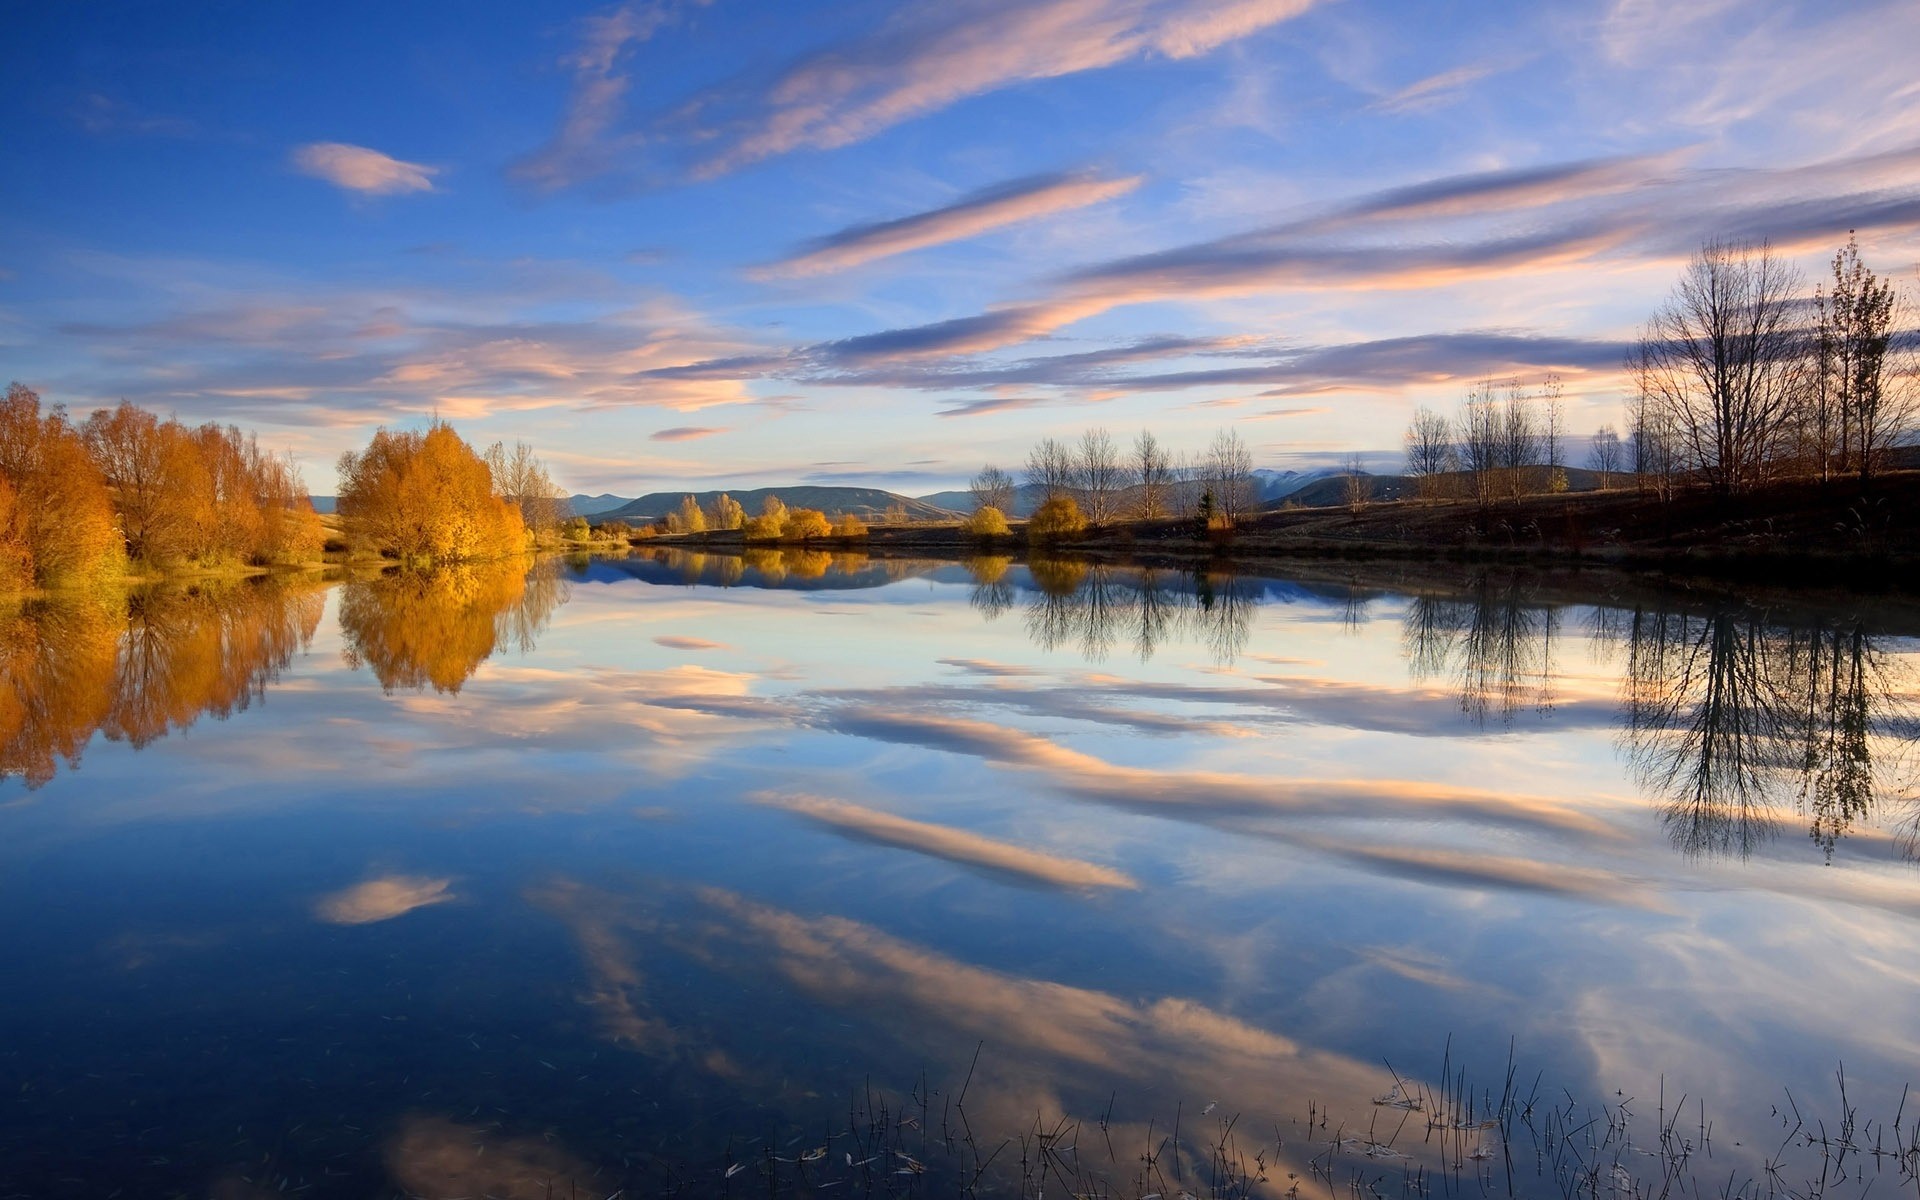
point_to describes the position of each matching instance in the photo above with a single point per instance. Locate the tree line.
(80, 502)
(775, 522)
(1096, 480)
(1741, 378)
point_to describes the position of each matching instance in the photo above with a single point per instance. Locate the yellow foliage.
(987, 521)
(426, 496)
(416, 629)
(1058, 517)
(849, 526)
(727, 513)
(805, 523)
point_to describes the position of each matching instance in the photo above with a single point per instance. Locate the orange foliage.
(62, 518)
(16, 560)
(416, 629)
(139, 666)
(426, 496)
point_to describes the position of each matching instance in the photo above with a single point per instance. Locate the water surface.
(627, 873)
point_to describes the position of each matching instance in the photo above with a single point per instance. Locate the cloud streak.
(984, 211)
(954, 845)
(927, 57)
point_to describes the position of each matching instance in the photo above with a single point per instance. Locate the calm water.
(624, 875)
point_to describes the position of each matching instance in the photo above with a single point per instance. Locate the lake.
(797, 873)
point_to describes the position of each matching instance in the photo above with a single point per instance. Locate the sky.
(727, 243)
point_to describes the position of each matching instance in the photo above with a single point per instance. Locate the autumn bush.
(987, 521)
(849, 526)
(426, 495)
(806, 523)
(771, 524)
(1057, 518)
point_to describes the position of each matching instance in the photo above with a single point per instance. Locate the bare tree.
(1605, 456)
(1099, 475)
(1722, 363)
(1228, 471)
(1553, 411)
(1430, 451)
(1357, 486)
(1521, 440)
(1050, 470)
(521, 479)
(1153, 475)
(1479, 435)
(992, 488)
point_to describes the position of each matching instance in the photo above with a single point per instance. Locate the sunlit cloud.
(954, 845)
(982, 212)
(382, 899)
(684, 433)
(359, 169)
(927, 57)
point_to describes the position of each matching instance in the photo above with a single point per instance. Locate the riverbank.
(1833, 532)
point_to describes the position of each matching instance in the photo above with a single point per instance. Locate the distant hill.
(1330, 491)
(588, 506)
(865, 503)
(1273, 485)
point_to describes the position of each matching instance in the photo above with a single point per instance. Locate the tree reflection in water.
(139, 665)
(1493, 641)
(1092, 607)
(1734, 720)
(1731, 718)
(416, 629)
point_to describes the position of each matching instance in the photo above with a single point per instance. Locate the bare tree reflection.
(1736, 721)
(1494, 643)
(139, 665)
(416, 629)
(1092, 607)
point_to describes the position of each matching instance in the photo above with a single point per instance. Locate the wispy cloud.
(358, 169)
(582, 147)
(929, 56)
(954, 845)
(980, 408)
(1433, 91)
(982, 212)
(684, 433)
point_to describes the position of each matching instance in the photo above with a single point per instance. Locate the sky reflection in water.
(612, 867)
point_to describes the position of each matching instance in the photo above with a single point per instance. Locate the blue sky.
(678, 244)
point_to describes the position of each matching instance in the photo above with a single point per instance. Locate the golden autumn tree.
(804, 524)
(209, 494)
(426, 495)
(161, 490)
(727, 513)
(771, 524)
(62, 517)
(16, 561)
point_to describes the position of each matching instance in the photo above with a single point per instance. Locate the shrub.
(805, 523)
(849, 526)
(987, 521)
(1057, 518)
